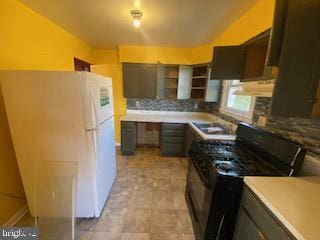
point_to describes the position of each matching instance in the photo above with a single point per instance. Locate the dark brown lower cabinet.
(128, 138)
(172, 139)
(189, 135)
(246, 228)
(256, 222)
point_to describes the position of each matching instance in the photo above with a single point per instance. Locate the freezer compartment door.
(105, 163)
(98, 99)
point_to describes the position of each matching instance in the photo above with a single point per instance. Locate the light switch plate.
(262, 121)
(137, 104)
(196, 106)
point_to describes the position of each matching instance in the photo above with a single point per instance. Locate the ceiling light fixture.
(136, 15)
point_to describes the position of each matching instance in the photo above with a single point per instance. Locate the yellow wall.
(107, 64)
(201, 54)
(142, 54)
(28, 41)
(257, 19)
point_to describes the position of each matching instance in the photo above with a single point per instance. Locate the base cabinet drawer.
(173, 126)
(172, 133)
(171, 149)
(128, 138)
(175, 140)
(172, 139)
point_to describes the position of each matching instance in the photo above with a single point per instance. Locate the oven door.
(200, 194)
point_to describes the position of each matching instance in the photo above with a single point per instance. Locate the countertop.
(180, 117)
(295, 201)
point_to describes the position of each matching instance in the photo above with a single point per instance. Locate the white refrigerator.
(62, 127)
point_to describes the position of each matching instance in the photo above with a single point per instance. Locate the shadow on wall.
(12, 196)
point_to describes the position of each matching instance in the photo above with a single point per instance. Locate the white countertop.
(179, 117)
(295, 201)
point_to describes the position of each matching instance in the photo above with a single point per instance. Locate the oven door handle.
(204, 182)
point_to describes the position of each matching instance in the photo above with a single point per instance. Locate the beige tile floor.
(146, 202)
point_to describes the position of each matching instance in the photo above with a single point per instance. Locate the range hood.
(262, 88)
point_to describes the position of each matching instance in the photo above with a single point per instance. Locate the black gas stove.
(216, 171)
(229, 158)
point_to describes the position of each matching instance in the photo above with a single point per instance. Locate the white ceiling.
(174, 23)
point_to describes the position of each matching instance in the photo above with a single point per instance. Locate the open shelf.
(170, 88)
(171, 73)
(171, 77)
(199, 81)
(199, 77)
(171, 93)
(198, 88)
(200, 70)
(198, 94)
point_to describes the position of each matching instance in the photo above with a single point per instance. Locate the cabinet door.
(246, 229)
(160, 81)
(149, 81)
(213, 89)
(228, 62)
(267, 224)
(277, 32)
(299, 68)
(189, 135)
(132, 80)
(184, 82)
(128, 138)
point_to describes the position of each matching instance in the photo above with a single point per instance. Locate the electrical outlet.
(137, 104)
(196, 106)
(262, 121)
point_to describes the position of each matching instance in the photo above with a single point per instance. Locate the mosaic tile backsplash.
(305, 131)
(169, 105)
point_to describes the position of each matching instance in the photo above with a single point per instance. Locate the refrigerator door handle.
(95, 140)
(95, 111)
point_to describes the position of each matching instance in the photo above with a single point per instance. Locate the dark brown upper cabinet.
(255, 68)
(228, 62)
(139, 80)
(277, 32)
(255, 58)
(296, 89)
(149, 82)
(246, 62)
